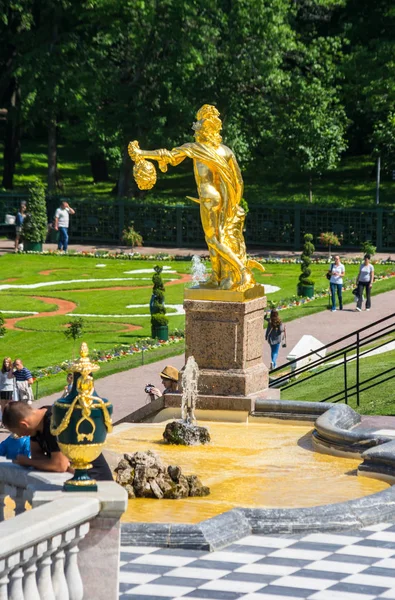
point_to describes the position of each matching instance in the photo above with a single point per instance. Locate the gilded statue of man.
(220, 189)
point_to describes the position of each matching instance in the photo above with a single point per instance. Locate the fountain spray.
(185, 431)
(190, 379)
(199, 272)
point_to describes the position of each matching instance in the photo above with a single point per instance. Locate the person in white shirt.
(336, 282)
(365, 280)
(61, 224)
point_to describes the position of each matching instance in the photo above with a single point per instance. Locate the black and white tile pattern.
(347, 566)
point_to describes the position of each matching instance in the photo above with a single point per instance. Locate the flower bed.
(164, 256)
(322, 261)
(116, 353)
(161, 256)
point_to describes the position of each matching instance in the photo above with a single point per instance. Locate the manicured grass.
(378, 400)
(23, 302)
(40, 341)
(353, 183)
(55, 383)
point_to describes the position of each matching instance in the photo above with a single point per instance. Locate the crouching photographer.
(170, 377)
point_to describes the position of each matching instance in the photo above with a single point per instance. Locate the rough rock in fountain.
(143, 475)
(187, 434)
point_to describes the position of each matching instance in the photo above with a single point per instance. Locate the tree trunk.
(52, 154)
(125, 176)
(12, 136)
(310, 188)
(99, 167)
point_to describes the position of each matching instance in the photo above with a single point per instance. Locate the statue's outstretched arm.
(163, 156)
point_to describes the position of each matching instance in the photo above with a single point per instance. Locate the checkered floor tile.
(347, 566)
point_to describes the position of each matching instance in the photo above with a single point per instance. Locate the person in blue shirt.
(12, 446)
(20, 217)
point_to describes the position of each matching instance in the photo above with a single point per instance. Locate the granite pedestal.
(226, 340)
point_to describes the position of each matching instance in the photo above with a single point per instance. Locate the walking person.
(336, 273)
(61, 224)
(6, 382)
(275, 335)
(20, 217)
(365, 280)
(23, 383)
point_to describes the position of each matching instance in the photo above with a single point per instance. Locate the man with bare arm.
(24, 420)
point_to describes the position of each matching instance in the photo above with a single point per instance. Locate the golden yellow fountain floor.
(249, 465)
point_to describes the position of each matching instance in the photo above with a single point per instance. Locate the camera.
(148, 388)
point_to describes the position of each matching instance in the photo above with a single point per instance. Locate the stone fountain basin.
(274, 470)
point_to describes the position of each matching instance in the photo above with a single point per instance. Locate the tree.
(328, 238)
(15, 24)
(368, 248)
(368, 91)
(309, 122)
(35, 226)
(74, 330)
(308, 250)
(51, 66)
(384, 141)
(131, 237)
(2, 326)
(157, 302)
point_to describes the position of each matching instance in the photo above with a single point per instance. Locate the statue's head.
(208, 126)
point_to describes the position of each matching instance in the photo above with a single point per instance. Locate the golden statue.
(220, 188)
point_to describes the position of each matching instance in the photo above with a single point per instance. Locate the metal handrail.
(330, 358)
(345, 337)
(359, 342)
(346, 392)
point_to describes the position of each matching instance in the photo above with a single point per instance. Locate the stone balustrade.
(67, 546)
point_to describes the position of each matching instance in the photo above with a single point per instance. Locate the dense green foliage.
(2, 327)
(295, 82)
(35, 226)
(368, 248)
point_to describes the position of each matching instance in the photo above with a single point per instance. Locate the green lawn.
(353, 183)
(378, 400)
(108, 313)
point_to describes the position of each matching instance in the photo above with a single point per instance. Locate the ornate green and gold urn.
(81, 421)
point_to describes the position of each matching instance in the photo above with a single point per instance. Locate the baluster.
(72, 537)
(58, 576)
(4, 587)
(19, 500)
(15, 585)
(73, 577)
(44, 579)
(30, 589)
